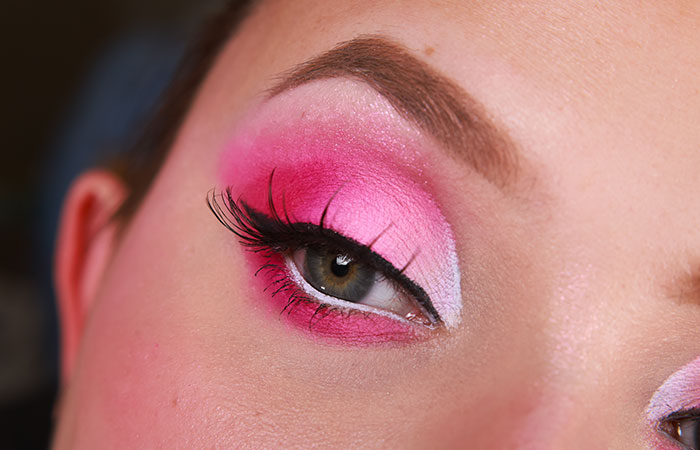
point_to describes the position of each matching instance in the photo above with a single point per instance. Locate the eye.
(339, 278)
(327, 268)
(683, 428)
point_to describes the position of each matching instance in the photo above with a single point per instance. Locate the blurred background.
(79, 78)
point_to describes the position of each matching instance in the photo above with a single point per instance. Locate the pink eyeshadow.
(680, 392)
(375, 195)
(332, 325)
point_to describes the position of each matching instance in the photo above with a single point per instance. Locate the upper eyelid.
(247, 221)
(375, 260)
(693, 413)
(424, 96)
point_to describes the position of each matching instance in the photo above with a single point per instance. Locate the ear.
(86, 240)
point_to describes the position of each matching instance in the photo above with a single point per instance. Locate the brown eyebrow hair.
(420, 94)
(685, 287)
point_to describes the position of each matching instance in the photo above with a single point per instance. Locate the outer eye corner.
(394, 307)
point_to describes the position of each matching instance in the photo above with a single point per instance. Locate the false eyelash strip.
(278, 233)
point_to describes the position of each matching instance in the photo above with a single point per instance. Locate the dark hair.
(144, 159)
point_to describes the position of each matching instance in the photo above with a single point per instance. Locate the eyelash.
(274, 235)
(669, 424)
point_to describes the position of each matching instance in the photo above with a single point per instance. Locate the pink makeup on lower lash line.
(329, 323)
(371, 199)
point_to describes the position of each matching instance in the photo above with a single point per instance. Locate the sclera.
(365, 169)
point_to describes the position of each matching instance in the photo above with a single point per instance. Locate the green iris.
(337, 274)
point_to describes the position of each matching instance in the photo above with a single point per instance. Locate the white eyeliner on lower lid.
(378, 193)
(303, 284)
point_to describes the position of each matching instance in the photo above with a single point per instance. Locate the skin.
(576, 308)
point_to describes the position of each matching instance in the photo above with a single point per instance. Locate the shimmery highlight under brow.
(420, 94)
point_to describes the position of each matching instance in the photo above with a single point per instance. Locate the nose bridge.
(536, 403)
(548, 419)
(557, 421)
(543, 428)
(567, 409)
(574, 407)
(545, 381)
(563, 412)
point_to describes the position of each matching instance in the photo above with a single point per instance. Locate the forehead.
(616, 77)
(579, 40)
(602, 99)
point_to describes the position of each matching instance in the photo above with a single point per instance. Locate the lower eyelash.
(333, 323)
(235, 219)
(281, 282)
(278, 234)
(337, 304)
(271, 237)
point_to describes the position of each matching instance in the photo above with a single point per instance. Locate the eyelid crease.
(692, 413)
(262, 233)
(419, 94)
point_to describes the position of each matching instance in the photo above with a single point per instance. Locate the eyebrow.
(419, 94)
(685, 288)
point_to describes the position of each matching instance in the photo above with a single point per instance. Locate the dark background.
(79, 78)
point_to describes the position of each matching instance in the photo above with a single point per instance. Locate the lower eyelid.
(271, 269)
(295, 276)
(382, 292)
(329, 322)
(401, 219)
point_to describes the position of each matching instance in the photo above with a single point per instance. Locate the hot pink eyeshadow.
(332, 324)
(376, 196)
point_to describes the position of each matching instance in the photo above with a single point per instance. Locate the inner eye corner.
(293, 241)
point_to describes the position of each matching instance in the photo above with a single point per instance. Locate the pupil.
(341, 266)
(337, 274)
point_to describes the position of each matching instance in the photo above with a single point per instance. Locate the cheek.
(164, 363)
(180, 351)
(144, 369)
(168, 379)
(176, 356)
